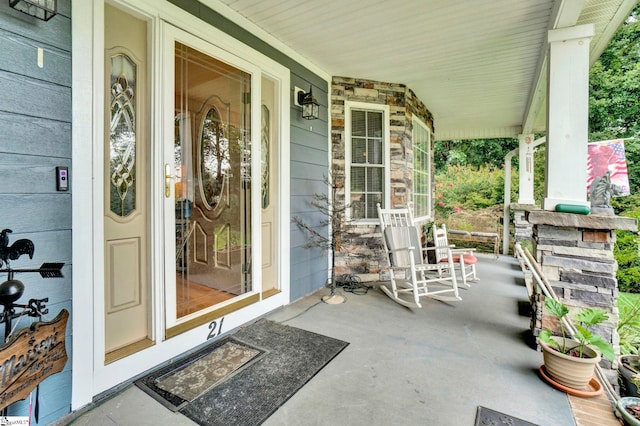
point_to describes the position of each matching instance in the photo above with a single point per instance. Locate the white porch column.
(567, 116)
(525, 149)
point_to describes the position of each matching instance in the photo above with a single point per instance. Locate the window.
(366, 158)
(421, 169)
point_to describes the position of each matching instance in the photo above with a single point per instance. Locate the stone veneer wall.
(575, 254)
(362, 252)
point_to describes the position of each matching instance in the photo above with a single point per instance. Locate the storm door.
(209, 180)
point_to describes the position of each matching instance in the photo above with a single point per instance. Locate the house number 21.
(215, 329)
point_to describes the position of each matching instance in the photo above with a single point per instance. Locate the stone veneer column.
(522, 228)
(575, 253)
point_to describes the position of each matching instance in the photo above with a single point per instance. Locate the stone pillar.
(567, 116)
(575, 254)
(522, 229)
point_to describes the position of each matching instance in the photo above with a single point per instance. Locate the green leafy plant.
(635, 379)
(526, 244)
(629, 324)
(584, 318)
(459, 187)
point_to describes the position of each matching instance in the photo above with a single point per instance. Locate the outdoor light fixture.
(309, 104)
(41, 9)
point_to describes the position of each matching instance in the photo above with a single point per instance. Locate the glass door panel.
(212, 159)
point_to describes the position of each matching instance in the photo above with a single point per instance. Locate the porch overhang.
(480, 67)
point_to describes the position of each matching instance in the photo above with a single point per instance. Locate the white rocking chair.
(421, 279)
(463, 258)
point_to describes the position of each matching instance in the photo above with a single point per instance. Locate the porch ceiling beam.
(565, 14)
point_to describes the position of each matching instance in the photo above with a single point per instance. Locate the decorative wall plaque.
(30, 356)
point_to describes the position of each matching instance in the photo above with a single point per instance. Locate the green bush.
(629, 279)
(629, 324)
(627, 247)
(461, 187)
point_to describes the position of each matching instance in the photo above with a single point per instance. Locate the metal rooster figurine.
(15, 250)
(12, 289)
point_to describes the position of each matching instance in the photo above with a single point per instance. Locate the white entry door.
(126, 186)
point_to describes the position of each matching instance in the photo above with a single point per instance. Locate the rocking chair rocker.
(406, 256)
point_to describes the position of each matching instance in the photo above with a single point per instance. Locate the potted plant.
(571, 360)
(629, 332)
(629, 406)
(629, 409)
(629, 375)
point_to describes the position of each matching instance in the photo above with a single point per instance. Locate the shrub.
(627, 247)
(629, 324)
(468, 188)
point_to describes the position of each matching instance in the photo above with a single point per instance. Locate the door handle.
(167, 180)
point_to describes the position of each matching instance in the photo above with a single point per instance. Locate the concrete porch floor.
(429, 366)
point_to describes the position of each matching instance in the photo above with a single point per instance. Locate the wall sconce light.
(309, 104)
(41, 9)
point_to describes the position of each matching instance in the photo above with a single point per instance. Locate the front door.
(167, 120)
(126, 184)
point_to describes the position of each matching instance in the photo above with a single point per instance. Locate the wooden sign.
(30, 356)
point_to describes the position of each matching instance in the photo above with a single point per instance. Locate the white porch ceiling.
(478, 65)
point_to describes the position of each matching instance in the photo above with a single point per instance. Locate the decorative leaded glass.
(122, 136)
(265, 156)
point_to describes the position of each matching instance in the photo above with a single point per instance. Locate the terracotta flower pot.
(570, 371)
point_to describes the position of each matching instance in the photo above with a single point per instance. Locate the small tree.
(334, 211)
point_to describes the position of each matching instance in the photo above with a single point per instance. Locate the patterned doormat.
(488, 417)
(289, 357)
(181, 382)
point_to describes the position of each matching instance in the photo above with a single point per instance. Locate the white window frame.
(349, 106)
(417, 123)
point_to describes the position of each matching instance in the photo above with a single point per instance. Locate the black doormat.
(488, 417)
(290, 358)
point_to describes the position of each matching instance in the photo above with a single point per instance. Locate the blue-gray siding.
(35, 137)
